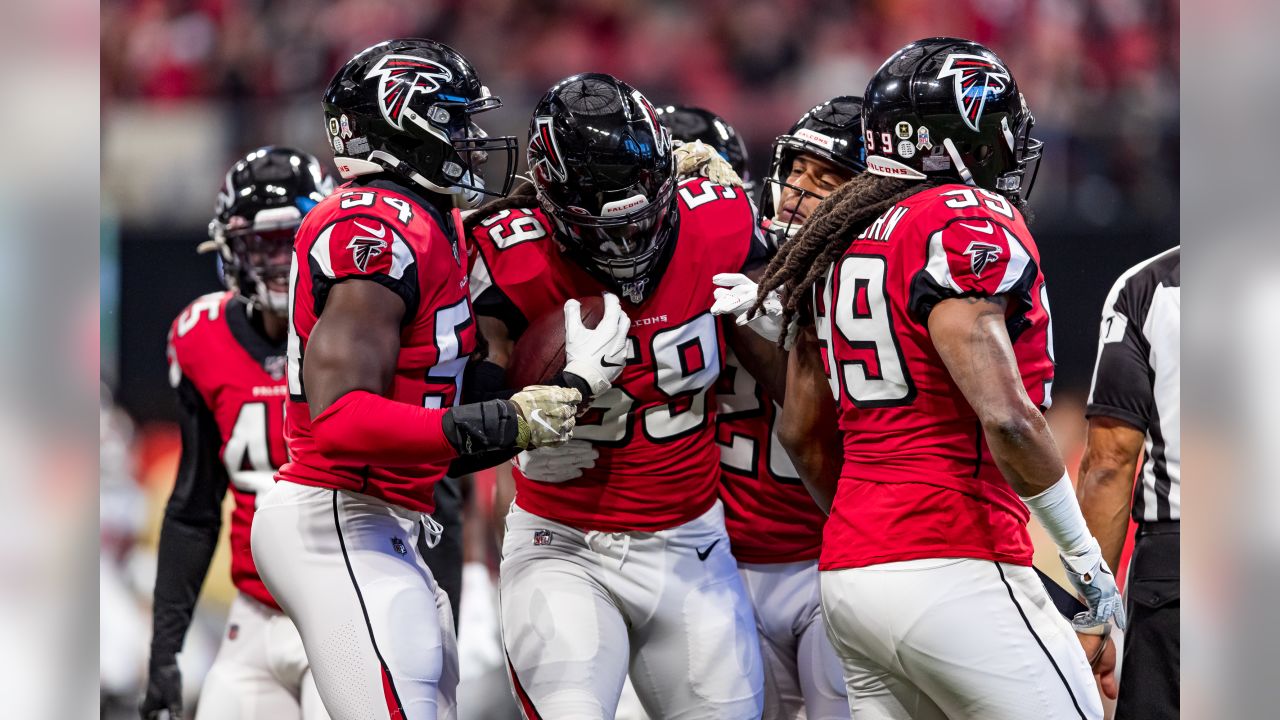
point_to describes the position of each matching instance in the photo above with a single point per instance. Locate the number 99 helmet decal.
(950, 108)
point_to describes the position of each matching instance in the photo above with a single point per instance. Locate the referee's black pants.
(1149, 675)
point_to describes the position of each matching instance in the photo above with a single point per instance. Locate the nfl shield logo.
(398, 545)
(541, 537)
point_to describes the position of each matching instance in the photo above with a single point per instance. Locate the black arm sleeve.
(1122, 377)
(191, 523)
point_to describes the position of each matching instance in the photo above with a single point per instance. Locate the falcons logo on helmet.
(974, 78)
(544, 140)
(981, 254)
(364, 248)
(400, 77)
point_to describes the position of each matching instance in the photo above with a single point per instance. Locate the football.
(539, 354)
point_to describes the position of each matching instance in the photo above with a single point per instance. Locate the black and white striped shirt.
(1136, 379)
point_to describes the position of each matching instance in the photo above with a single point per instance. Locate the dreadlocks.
(826, 234)
(524, 196)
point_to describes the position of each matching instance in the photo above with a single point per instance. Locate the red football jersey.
(770, 516)
(240, 378)
(654, 428)
(918, 479)
(381, 232)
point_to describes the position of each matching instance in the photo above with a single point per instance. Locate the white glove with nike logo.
(596, 355)
(1094, 582)
(737, 295)
(558, 464)
(547, 415)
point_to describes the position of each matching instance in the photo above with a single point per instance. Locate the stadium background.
(189, 85)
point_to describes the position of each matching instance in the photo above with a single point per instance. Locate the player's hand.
(1093, 581)
(558, 464)
(737, 296)
(1101, 652)
(698, 158)
(596, 355)
(163, 700)
(547, 415)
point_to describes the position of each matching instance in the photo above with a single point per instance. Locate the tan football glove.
(698, 159)
(546, 415)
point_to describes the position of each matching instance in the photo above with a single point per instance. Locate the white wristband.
(1059, 513)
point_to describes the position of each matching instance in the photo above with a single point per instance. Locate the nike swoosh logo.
(987, 229)
(536, 416)
(379, 233)
(606, 363)
(702, 554)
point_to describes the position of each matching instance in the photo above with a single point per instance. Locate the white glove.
(558, 464)
(546, 415)
(1094, 582)
(737, 295)
(596, 355)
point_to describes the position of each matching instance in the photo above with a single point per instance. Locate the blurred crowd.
(1100, 75)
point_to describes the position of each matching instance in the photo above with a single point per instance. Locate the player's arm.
(1107, 470)
(970, 336)
(1119, 412)
(350, 364)
(188, 537)
(807, 426)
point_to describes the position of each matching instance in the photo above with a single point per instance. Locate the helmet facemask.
(256, 256)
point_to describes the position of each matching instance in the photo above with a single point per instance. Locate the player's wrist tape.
(481, 427)
(1059, 513)
(368, 429)
(573, 381)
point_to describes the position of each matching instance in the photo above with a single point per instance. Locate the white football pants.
(261, 671)
(955, 638)
(580, 609)
(376, 628)
(802, 675)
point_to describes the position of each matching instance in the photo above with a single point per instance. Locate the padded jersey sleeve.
(1122, 386)
(977, 253)
(362, 245)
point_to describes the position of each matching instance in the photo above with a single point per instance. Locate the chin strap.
(963, 169)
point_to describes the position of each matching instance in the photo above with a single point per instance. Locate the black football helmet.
(831, 131)
(405, 107)
(946, 107)
(688, 123)
(602, 166)
(263, 198)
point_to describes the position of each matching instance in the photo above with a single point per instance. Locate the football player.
(930, 307)
(615, 557)
(774, 525)
(226, 361)
(380, 329)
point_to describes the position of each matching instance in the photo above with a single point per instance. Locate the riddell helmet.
(945, 107)
(405, 107)
(602, 166)
(688, 123)
(831, 131)
(263, 198)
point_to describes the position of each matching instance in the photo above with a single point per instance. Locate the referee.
(1133, 412)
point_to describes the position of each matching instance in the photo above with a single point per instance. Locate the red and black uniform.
(231, 391)
(918, 480)
(770, 516)
(654, 429)
(378, 231)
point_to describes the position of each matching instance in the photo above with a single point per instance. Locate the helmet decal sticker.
(402, 76)
(974, 78)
